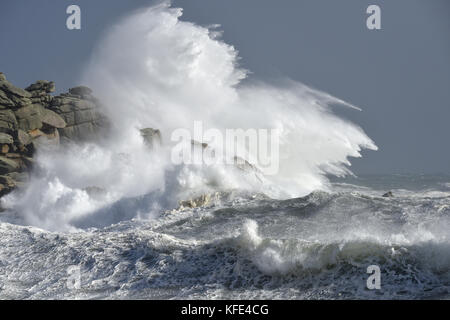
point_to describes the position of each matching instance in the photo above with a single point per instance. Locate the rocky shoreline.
(32, 119)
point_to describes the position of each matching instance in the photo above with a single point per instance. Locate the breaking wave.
(154, 70)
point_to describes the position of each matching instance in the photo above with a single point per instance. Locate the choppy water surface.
(246, 246)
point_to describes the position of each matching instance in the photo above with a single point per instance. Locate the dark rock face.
(80, 91)
(8, 121)
(388, 194)
(151, 137)
(81, 115)
(31, 119)
(40, 87)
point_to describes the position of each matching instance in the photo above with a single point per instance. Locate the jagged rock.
(211, 199)
(41, 87)
(5, 141)
(34, 116)
(18, 177)
(84, 131)
(52, 118)
(3, 191)
(8, 165)
(195, 143)
(11, 181)
(246, 166)
(41, 99)
(69, 117)
(83, 104)
(33, 119)
(201, 201)
(388, 194)
(12, 96)
(13, 155)
(6, 138)
(62, 109)
(82, 117)
(62, 100)
(79, 132)
(91, 98)
(7, 184)
(35, 133)
(10, 89)
(47, 142)
(80, 91)
(24, 138)
(20, 102)
(5, 102)
(7, 180)
(151, 136)
(49, 133)
(8, 121)
(29, 117)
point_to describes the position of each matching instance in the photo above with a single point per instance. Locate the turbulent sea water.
(247, 246)
(102, 220)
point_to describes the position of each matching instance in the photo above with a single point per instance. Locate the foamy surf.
(313, 247)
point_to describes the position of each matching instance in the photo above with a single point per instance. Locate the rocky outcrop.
(80, 111)
(200, 201)
(215, 198)
(32, 118)
(388, 194)
(152, 137)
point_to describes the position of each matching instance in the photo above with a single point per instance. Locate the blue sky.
(399, 75)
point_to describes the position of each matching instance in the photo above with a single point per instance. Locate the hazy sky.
(399, 76)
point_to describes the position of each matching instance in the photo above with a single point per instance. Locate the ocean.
(248, 246)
